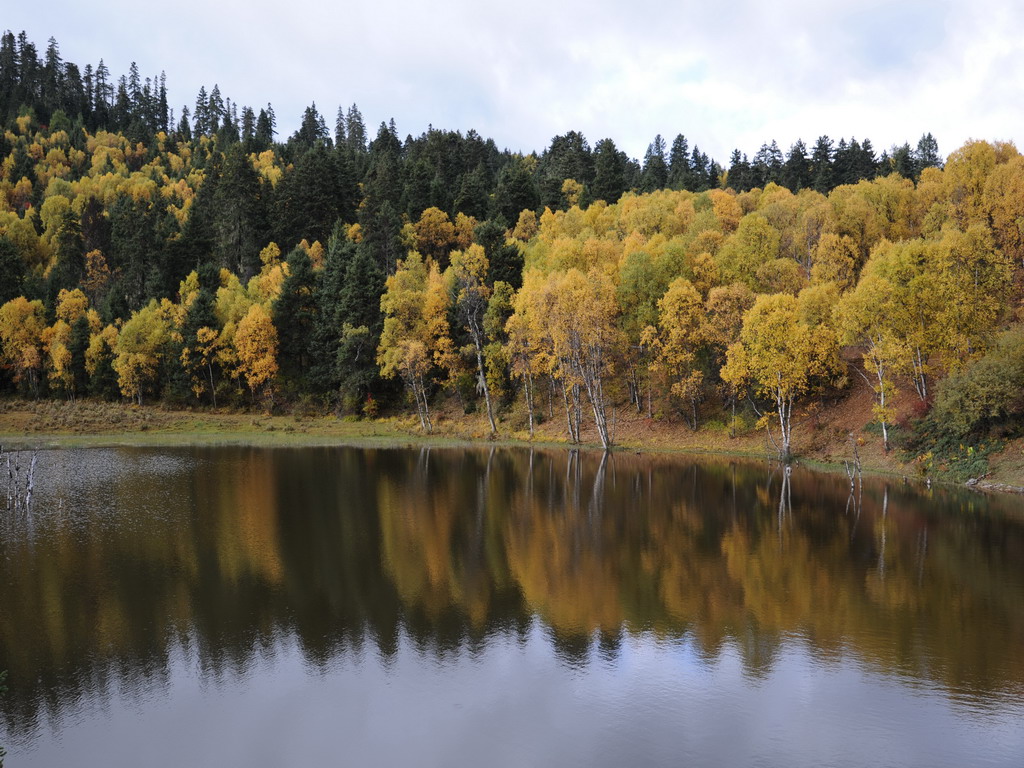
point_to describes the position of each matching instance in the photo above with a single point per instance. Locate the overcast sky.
(730, 74)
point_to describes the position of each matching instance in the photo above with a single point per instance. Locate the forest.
(201, 260)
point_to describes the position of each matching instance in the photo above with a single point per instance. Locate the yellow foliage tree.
(467, 276)
(1003, 199)
(585, 337)
(435, 234)
(866, 319)
(140, 348)
(414, 318)
(779, 357)
(676, 340)
(22, 323)
(255, 346)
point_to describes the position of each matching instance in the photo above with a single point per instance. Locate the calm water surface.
(341, 606)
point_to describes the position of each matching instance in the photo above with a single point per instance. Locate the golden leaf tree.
(467, 275)
(255, 344)
(21, 328)
(780, 357)
(141, 345)
(415, 333)
(675, 342)
(585, 337)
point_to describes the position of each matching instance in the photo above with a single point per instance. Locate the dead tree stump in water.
(19, 489)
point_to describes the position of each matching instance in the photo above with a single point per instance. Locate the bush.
(987, 397)
(974, 409)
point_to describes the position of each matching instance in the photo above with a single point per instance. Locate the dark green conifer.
(294, 313)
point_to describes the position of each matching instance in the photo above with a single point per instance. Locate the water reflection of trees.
(346, 550)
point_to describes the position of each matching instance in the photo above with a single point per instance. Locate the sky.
(728, 75)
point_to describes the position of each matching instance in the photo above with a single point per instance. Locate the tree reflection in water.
(134, 556)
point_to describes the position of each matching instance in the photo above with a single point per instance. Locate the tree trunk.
(213, 391)
(574, 434)
(528, 396)
(595, 393)
(920, 381)
(785, 411)
(483, 383)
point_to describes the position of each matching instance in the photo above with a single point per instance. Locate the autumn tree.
(406, 344)
(528, 346)
(675, 342)
(866, 318)
(585, 338)
(140, 349)
(435, 235)
(467, 276)
(1003, 199)
(99, 364)
(21, 328)
(640, 286)
(779, 358)
(256, 346)
(200, 335)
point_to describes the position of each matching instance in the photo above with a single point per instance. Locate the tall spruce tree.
(655, 173)
(822, 177)
(239, 215)
(327, 325)
(679, 163)
(12, 271)
(361, 324)
(69, 268)
(294, 313)
(796, 171)
(609, 173)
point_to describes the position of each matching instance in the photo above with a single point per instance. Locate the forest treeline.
(201, 260)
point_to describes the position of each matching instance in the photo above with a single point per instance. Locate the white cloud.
(727, 76)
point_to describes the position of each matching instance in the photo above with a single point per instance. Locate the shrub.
(986, 397)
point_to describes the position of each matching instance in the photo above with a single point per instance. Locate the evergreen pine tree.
(506, 261)
(796, 171)
(472, 198)
(822, 178)
(103, 382)
(903, 162)
(515, 192)
(609, 174)
(293, 315)
(239, 222)
(12, 271)
(568, 157)
(69, 268)
(739, 172)
(679, 163)
(264, 136)
(927, 153)
(78, 345)
(361, 322)
(327, 325)
(843, 164)
(655, 173)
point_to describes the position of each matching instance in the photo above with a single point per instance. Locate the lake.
(453, 607)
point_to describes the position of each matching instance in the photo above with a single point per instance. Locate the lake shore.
(822, 443)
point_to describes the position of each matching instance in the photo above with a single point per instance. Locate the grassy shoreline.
(49, 424)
